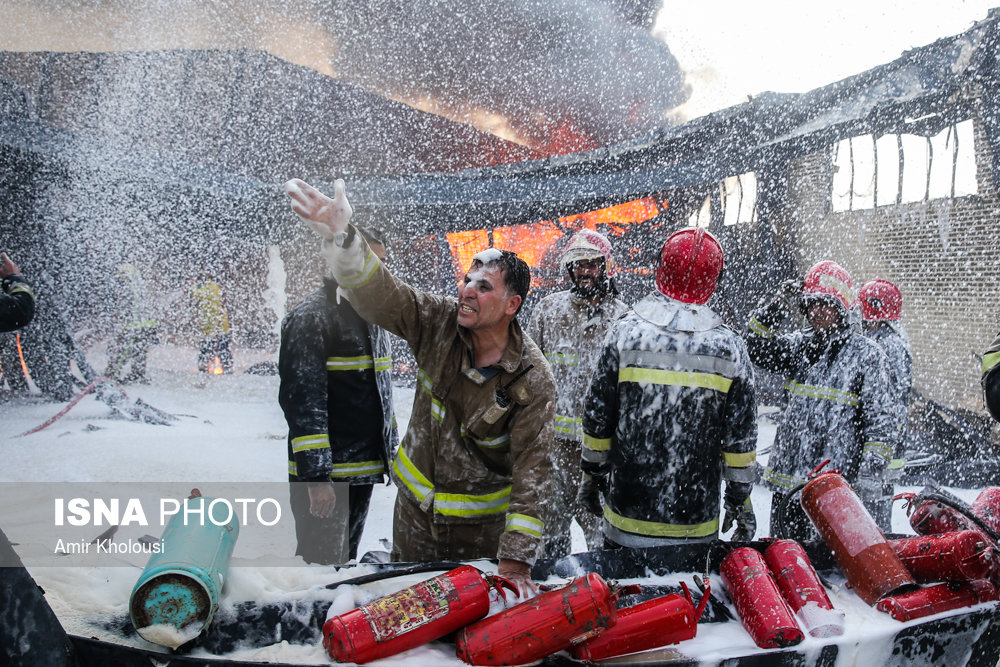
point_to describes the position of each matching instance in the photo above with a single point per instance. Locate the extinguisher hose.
(964, 511)
(779, 530)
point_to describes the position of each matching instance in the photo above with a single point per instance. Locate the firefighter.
(135, 328)
(476, 457)
(17, 301)
(991, 378)
(336, 392)
(837, 386)
(881, 304)
(671, 412)
(568, 327)
(215, 347)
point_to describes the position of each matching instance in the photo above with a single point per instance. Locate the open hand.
(327, 217)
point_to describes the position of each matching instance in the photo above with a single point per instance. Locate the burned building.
(890, 172)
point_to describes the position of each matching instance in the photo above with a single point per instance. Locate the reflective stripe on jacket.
(670, 414)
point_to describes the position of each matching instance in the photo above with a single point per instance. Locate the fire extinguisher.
(860, 548)
(937, 598)
(986, 507)
(658, 622)
(413, 616)
(761, 607)
(803, 591)
(539, 627)
(934, 511)
(959, 556)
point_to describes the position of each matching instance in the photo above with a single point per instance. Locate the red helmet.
(880, 300)
(690, 264)
(829, 280)
(588, 244)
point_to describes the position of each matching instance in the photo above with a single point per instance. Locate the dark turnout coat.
(336, 391)
(671, 413)
(839, 405)
(17, 303)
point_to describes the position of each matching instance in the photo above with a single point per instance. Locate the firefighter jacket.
(472, 454)
(17, 303)
(991, 378)
(336, 392)
(895, 343)
(671, 413)
(569, 331)
(839, 406)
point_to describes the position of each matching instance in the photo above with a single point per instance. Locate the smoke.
(542, 66)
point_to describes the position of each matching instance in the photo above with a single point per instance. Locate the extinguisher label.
(856, 535)
(395, 615)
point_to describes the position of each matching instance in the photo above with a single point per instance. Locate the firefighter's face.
(482, 297)
(587, 272)
(822, 314)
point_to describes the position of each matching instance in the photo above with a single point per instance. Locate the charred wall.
(942, 253)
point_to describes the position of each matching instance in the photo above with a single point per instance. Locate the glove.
(589, 495)
(789, 290)
(739, 512)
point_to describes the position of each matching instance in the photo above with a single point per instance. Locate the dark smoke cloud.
(538, 63)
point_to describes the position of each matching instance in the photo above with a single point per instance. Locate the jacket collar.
(676, 315)
(511, 359)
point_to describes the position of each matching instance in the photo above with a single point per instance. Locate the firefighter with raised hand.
(336, 394)
(671, 412)
(569, 326)
(17, 300)
(476, 456)
(881, 304)
(837, 382)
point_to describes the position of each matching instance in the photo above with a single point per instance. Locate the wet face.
(822, 314)
(587, 273)
(482, 297)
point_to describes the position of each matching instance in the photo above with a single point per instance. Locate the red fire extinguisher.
(413, 616)
(960, 556)
(539, 627)
(761, 607)
(929, 517)
(800, 586)
(986, 507)
(861, 550)
(658, 622)
(937, 598)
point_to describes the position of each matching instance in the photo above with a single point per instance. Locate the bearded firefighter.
(881, 305)
(671, 412)
(838, 395)
(569, 327)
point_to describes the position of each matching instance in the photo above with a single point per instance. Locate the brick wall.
(943, 254)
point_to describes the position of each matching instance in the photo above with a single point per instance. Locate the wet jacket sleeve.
(879, 428)
(777, 353)
(531, 447)
(17, 303)
(302, 393)
(381, 298)
(600, 415)
(739, 450)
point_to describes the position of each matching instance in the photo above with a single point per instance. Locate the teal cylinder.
(178, 592)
